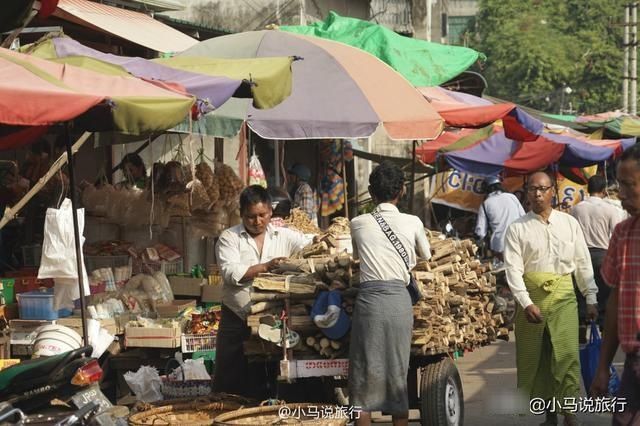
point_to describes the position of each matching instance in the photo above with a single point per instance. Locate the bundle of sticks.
(457, 309)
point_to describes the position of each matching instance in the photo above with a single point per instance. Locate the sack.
(589, 359)
(414, 290)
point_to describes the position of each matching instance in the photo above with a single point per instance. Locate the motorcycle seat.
(40, 367)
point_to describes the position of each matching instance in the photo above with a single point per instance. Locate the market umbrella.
(37, 92)
(452, 140)
(421, 62)
(213, 83)
(498, 154)
(338, 91)
(465, 110)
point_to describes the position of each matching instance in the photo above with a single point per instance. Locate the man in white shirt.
(496, 213)
(243, 252)
(382, 320)
(597, 218)
(542, 250)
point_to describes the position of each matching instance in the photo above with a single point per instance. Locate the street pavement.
(489, 384)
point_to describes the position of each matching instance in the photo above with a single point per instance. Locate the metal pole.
(76, 232)
(412, 184)
(428, 26)
(625, 66)
(634, 59)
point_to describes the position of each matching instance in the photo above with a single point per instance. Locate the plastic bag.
(58, 248)
(256, 174)
(145, 383)
(589, 359)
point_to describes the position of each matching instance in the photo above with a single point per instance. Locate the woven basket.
(172, 389)
(193, 413)
(272, 415)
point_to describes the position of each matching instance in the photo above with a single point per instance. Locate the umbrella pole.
(412, 184)
(344, 180)
(76, 232)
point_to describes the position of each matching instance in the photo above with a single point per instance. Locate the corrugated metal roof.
(133, 26)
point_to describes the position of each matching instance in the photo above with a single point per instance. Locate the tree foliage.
(536, 47)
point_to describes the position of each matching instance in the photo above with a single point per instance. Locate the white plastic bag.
(145, 383)
(256, 174)
(58, 248)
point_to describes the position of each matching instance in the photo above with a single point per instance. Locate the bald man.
(542, 250)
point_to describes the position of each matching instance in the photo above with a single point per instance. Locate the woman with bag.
(386, 242)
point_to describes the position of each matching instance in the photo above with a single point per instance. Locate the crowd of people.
(552, 260)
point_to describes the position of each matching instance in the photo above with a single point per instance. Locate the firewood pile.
(456, 312)
(457, 309)
(297, 280)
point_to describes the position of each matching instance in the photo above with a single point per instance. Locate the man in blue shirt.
(497, 212)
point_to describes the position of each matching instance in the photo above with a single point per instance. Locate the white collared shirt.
(236, 252)
(556, 246)
(597, 218)
(379, 260)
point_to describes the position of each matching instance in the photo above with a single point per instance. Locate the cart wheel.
(442, 402)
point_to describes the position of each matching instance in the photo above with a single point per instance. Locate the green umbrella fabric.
(421, 62)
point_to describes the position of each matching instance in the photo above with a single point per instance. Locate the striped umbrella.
(338, 91)
(37, 92)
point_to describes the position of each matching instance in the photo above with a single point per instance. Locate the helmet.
(280, 202)
(301, 171)
(491, 180)
(55, 339)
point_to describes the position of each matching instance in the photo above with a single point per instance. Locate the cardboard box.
(212, 293)
(75, 323)
(122, 320)
(186, 286)
(173, 309)
(148, 337)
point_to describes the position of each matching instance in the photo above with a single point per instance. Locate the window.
(457, 26)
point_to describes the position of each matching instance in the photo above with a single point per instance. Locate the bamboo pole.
(10, 213)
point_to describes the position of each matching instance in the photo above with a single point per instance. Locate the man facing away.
(301, 192)
(383, 317)
(496, 213)
(597, 218)
(542, 250)
(621, 271)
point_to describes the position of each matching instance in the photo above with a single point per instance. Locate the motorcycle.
(70, 377)
(84, 416)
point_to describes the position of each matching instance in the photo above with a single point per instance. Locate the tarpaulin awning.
(498, 153)
(213, 83)
(615, 122)
(133, 26)
(421, 62)
(37, 92)
(338, 91)
(464, 110)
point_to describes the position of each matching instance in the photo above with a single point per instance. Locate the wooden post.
(412, 184)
